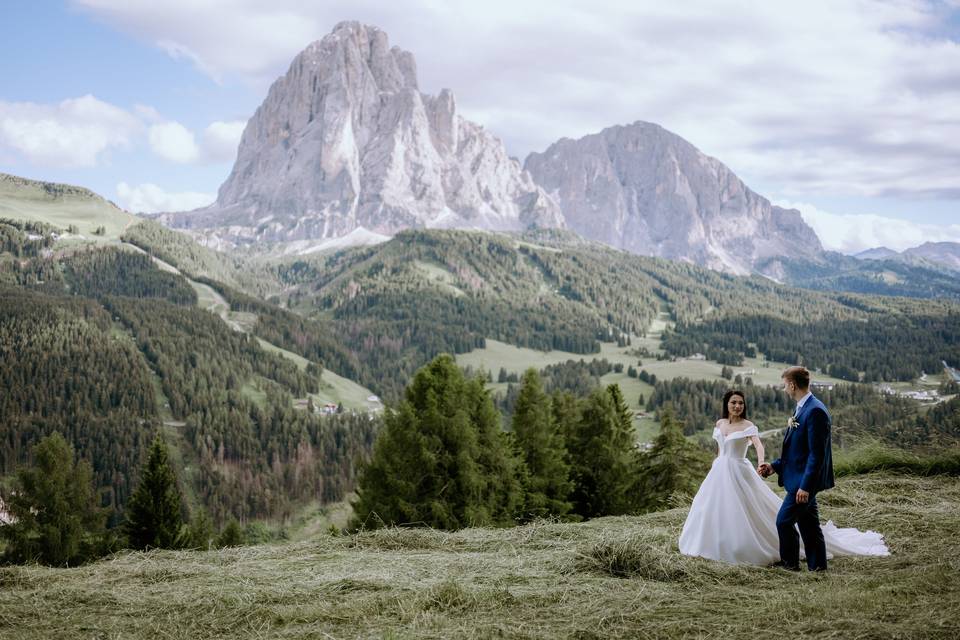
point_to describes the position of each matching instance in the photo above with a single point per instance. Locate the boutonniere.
(792, 422)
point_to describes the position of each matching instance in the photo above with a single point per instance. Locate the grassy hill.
(62, 205)
(607, 578)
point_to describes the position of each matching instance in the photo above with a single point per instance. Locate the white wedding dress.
(733, 516)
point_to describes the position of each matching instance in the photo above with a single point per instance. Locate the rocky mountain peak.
(346, 140)
(646, 190)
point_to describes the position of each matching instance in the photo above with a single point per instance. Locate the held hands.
(765, 470)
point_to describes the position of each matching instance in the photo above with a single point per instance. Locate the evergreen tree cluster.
(887, 346)
(55, 516)
(194, 260)
(85, 365)
(109, 271)
(856, 409)
(23, 239)
(577, 377)
(256, 459)
(443, 461)
(312, 339)
(938, 427)
(63, 370)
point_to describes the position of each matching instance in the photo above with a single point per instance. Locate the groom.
(805, 466)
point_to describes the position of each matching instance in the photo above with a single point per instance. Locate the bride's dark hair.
(726, 400)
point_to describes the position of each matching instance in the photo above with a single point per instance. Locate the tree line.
(81, 351)
(63, 369)
(856, 410)
(880, 347)
(443, 460)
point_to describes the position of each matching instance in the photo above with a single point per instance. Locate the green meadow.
(71, 206)
(516, 360)
(616, 577)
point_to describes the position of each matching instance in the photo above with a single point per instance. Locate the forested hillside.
(375, 315)
(872, 347)
(63, 369)
(102, 346)
(179, 249)
(425, 292)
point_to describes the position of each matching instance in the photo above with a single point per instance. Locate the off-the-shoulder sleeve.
(746, 433)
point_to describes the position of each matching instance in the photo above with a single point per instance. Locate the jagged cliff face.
(345, 143)
(646, 190)
(346, 140)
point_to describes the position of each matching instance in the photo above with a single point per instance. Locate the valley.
(307, 331)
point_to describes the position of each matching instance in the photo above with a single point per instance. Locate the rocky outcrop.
(346, 140)
(646, 190)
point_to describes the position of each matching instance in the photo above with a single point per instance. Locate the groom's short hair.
(798, 376)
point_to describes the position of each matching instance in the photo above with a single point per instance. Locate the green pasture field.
(86, 211)
(617, 577)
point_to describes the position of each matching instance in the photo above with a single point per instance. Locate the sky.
(848, 110)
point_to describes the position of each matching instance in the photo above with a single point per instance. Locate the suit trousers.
(806, 518)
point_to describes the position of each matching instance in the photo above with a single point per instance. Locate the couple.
(735, 517)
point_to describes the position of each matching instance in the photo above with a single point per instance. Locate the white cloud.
(221, 139)
(80, 132)
(77, 132)
(149, 198)
(220, 37)
(174, 142)
(854, 233)
(147, 113)
(843, 97)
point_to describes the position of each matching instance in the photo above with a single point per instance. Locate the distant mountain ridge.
(646, 190)
(877, 253)
(945, 254)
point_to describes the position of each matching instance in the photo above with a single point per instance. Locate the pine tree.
(566, 413)
(502, 492)
(602, 451)
(441, 458)
(543, 450)
(201, 534)
(624, 414)
(672, 465)
(231, 536)
(153, 513)
(56, 520)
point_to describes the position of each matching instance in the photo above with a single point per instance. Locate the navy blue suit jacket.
(806, 460)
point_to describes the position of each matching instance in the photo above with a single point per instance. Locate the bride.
(733, 516)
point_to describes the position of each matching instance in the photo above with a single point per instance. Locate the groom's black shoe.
(780, 564)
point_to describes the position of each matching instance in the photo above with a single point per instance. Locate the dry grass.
(608, 578)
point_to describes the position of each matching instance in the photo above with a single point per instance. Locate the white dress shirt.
(801, 402)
